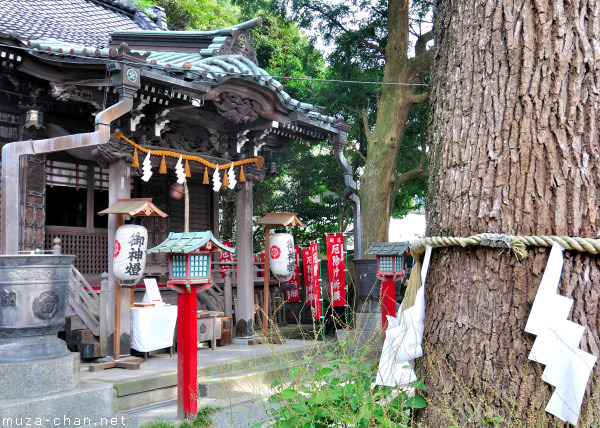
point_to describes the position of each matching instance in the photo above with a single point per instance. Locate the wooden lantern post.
(273, 219)
(134, 208)
(390, 268)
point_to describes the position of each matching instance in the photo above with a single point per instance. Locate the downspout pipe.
(340, 140)
(11, 153)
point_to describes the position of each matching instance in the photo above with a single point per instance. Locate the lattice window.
(91, 250)
(199, 265)
(178, 266)
(386, 264)
(399, 265)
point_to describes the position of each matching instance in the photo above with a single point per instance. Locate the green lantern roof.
(187, 242)
(387, 248)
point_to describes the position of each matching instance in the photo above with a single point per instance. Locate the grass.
(202, 420)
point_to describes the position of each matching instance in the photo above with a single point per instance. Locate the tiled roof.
(80, 31)
(81, 22)
(195, 66)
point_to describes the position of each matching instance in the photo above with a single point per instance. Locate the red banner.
(336, 264)
(316, 279)
(307, 260)
(225, 257)
(294, 295)
(260, 257)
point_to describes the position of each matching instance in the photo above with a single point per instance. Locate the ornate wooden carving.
(252, 173)
(114, 150)
(34, 224)
(240, 43)
(65, 92)
(238, 109)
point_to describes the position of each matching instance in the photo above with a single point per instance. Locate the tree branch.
(421, 45)
(419, 98)
(366, 122)
(417, 172)
(339, 25)
(420, 64)
(371, 45)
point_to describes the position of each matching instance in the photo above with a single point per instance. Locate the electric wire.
(181, 69)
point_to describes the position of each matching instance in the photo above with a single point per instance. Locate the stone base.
(85, 405)
(369, 321)
(39, 377)
(252, 340)
(358, 339)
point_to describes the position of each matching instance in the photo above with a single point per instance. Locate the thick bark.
(514, 150)
(379, 184)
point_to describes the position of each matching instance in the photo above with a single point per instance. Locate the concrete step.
(252, 380)
(233, 379)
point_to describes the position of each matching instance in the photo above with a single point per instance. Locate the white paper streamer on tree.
(216, 179)
(568, 368)
(403, 339)
(147, 168)
(231, 178)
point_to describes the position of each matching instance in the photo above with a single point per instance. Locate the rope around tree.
(516, 243)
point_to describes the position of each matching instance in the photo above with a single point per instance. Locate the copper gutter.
(9, 235)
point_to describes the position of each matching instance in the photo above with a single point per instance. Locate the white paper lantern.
(281, 256)
(131, 242)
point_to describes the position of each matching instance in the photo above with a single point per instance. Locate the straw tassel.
(188, 173)
(163, 166)
(205, 181)
(225, 180)
(242, 177)
(259, 161)
(135, 163)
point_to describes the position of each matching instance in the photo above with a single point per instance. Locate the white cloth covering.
(153, 327)
(403, 339)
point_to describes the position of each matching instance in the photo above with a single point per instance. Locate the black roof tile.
(84, 22)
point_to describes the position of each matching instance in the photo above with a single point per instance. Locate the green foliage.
(195, 14)
(308, 181)
(356, 35)
(338, 393)
(202, 419)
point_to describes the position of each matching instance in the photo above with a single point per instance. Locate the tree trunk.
(378, 190)
(514, 150)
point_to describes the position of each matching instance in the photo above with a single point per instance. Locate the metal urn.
(33, 296)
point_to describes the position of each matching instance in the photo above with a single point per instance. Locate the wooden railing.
(82, 299)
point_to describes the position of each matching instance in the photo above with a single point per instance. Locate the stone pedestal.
(39, 377)
(47, 392)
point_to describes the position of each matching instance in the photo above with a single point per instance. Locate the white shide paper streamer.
(568, 368)
(403, 339)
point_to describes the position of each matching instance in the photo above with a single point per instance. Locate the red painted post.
(388, 299)
(187, 351)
